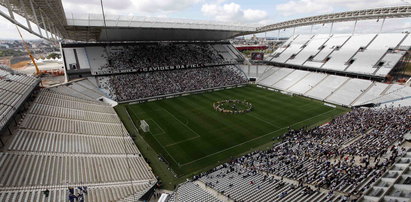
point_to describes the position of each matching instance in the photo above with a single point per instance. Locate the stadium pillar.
(44, 26)
(382, 25)
(278, 35)
(311, 29)
(8, 128)
(293, 31)
(51, 34)
(10, 9)
(355, 25)
(25, 15)
(256, 71)
(331, 28)
(131, 20)
(35, 17)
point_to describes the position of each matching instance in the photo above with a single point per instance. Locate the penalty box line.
(172, 158)
(197, 135)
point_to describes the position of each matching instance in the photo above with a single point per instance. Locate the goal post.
(144, 126)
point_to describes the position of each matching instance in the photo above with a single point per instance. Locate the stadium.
(159, 109)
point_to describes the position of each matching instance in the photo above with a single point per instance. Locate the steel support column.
(44, 26)
(25, 15)
(35, 16)
(382, 25)
(11, 14)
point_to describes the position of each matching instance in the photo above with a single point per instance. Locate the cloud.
(163, 5)
(128, 7)
(310, 7)
(302, 6)
(232, 12)
(9, 31)
(94, 6)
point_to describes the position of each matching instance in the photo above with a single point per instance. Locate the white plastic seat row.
(39, 141)
(290, 79)
(351, 90)
(372, 93)
(54, 94)
(293, 47)
(14, 89)
(307, 83)
(281, 49)
(42, 158)
(63, 89)
(366, 54)
(191, 192)
(84, 91)
(275, 77)
(90, 86)
(366, 61)
(250, 188)
(94, 193)
(46, 169)
(119, 192)
(394, 93)
(5, 112)
(53, 124)
(310, 50)
(10, 98)
(268, 72)
(326, 87)
(61, 112)
(43, 99)
(13, 86)
(19, 79)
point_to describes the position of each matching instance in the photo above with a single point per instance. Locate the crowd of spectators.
(135, 57)
(134, 86)
(347, 155)
(385, 128)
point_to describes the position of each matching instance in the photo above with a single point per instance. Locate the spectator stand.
(15, 90)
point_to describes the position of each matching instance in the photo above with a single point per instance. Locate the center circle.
(233, 106)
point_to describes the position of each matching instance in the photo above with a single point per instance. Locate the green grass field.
(192, 137)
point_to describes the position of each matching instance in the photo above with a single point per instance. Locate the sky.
(255, 12)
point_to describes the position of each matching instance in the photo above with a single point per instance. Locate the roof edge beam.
(368, 14)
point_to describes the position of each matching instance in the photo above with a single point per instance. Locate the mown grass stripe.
(197, 137)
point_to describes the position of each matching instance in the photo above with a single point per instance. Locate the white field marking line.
(254, 139)
(172, 158)
(185, 140)
(181, 122)
(307, 109)
(250, 114)
(162, 130)
(304, 105)
(166, 151)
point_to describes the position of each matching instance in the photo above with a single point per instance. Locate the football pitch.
(190, 135)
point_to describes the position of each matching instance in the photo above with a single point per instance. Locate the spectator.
(336, 156)
(143, 85)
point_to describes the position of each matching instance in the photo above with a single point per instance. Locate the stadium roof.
(366, 14)
(134, 28)
(50, 16)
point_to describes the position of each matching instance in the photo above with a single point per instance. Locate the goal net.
(144, 126)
